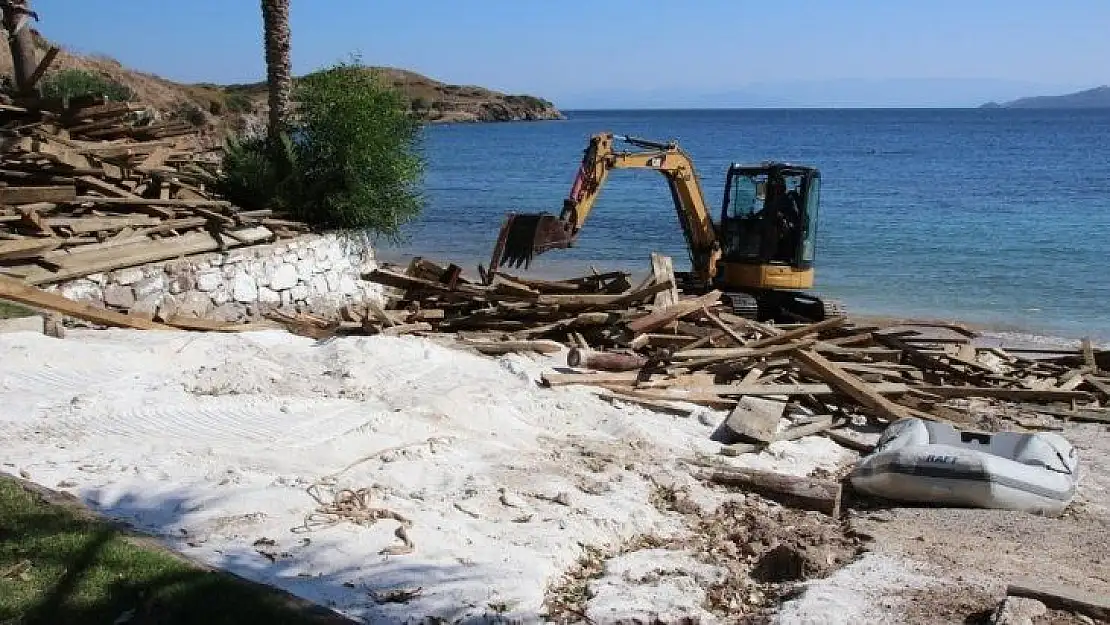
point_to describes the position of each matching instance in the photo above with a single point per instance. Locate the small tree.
(349, 162)
(356, 149)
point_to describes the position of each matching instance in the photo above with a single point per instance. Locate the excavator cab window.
(767, 216)
(808, 236)
(744, 199)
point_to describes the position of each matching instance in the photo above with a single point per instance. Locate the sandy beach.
(517, 501)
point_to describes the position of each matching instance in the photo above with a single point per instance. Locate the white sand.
(210, 440)
(858, 593)
(671, 583)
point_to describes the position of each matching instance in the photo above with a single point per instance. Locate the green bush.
(73, 83)
(254, 179)
(349, 162)
(189, 112)
(238, 102)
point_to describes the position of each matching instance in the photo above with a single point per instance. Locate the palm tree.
(279, 72)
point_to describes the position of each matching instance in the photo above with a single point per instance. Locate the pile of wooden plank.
(93, 186)
(651, 346)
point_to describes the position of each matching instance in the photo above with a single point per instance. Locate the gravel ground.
(973, 554)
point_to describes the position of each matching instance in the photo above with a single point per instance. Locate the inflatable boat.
(924, 461)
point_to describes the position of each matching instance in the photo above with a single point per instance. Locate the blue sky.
(625, 53)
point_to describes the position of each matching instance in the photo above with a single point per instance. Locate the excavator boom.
(523, 235)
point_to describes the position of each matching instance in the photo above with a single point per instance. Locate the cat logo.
(656, 161)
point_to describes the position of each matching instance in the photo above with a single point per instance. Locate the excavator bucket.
(523, 235)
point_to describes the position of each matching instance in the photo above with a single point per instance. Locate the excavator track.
(795, 306)
(833, 308)
(743, 305)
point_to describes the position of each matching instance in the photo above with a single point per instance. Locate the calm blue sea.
(1000, 217)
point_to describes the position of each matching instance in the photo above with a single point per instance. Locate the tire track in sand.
(242, 420)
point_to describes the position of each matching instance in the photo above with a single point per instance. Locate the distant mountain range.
(1097, 98)
(831, 93)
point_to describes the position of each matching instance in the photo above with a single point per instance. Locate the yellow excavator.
(760, 252)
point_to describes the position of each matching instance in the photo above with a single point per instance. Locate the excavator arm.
(524, 235)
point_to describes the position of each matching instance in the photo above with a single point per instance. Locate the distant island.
(1097, 98)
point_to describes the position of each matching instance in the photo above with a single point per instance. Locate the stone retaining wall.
(312, 273)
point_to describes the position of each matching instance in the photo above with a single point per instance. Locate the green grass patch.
(58, 564)
(8, 310)
(73, 83)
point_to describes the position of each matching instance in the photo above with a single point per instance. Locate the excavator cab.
(768, 226)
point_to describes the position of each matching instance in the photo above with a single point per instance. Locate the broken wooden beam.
(604, 361)
(1060, 597)
(662, 270)
(851, 385)
(800, 492)
(27, 295)
(508, 347)
(28, 195)
(142, 201)
(565, 379)
(1088, 352)
(657, 405)
(403, 329)
(663, 316)
(82, 261)
(797, 333)
(1014, 394)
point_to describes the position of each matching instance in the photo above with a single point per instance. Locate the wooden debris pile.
(94, 186)
(650, 346)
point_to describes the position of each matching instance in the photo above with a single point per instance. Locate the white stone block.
(181, 282)
(228, 312)
(347, 285)
(299, 293)
(220, 295)
(209, 281)
(147, 306)
(119, 296)
(193, 304)
(149, 286)
(305, 268)
(284, 277)
(323, 264)
(243, 288)
(168, 307)
(332, 278)
(83, 289)
(268, 296)
(127, 276)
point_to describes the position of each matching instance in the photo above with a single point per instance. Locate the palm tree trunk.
(17, 19)
(279, 72)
